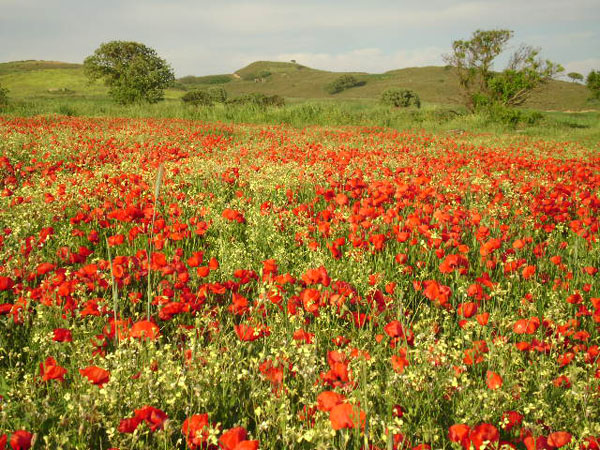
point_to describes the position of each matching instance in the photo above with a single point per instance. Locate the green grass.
(32, 80)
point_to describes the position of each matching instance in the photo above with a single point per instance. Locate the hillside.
(31, 80)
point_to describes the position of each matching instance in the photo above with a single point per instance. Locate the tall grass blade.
(157, 186)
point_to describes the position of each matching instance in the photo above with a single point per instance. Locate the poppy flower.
(327, 400)
(21, 440)
(196, 431)
(346, 415)
(96, 375)
(129, 425)
(235, 439)
(559, 439)
(460, 433)
(154, 417)
(144, 329)
(493, 380)
(49, 370)
(62, 335)
(484, 434)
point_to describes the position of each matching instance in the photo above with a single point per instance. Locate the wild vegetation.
(291, 258)
(184, 284)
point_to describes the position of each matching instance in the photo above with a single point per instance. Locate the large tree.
(132, 71)
(473, 60)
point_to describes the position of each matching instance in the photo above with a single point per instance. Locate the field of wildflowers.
(177, 284)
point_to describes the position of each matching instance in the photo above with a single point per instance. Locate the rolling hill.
(36, 80)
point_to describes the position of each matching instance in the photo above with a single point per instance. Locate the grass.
(34, 80)
(300, 113)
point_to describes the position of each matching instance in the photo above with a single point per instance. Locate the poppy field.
(176, 284)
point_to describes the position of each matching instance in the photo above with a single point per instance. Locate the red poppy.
(327, 400)
(235, 439)
(96, 375)
(559, 439)
(144, 329)
(484, 434)
(346, 415)
(154, 417)
(62, 335)
(196, 431)
(49, 370)
(460, 433)
(493, 380)
(21, 440)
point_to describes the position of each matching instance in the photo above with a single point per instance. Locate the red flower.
(21, 440)
(62, 335)
(346, 415)
(195, 430)
(154, 417)
(129, 425)
(144, 329)
(559, 439)
(49, 370)
(484, 432)
(493, 380)
(460, 433)
(327, 400)
(235, 439)
(96, 375)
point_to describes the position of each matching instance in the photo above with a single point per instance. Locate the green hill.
(27, 80)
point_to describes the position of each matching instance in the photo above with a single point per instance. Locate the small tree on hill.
(132, 71)
(593, 83)
(473, 61)
(575, 76)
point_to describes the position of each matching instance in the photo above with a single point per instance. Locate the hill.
(28, 80)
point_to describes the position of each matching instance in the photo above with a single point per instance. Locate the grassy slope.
(435, 85)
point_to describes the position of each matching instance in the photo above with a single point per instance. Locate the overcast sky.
(208, 37)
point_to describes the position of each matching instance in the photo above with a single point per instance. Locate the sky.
(199, 37)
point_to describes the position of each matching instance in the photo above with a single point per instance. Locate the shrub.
(3, 96)
(400, 98)
(217, 94)
(258, 99)
(208, 79)
(342, 83)
(197, 98)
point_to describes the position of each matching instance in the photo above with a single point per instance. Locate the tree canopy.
(593, 83)
(132, 71)
(473, 60)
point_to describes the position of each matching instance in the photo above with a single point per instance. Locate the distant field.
(29, 80)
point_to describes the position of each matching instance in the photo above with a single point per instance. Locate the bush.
(400, 98)
(217, 94)
(3, 96)
(342, 83)
(197, 98)
(207, 79)
(258, 99)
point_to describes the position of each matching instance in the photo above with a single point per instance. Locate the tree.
(473, 61)
(132, 71)
(575, 76)
(593, 83)
(400, 98)
(342, 83)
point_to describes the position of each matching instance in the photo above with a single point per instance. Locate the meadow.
(176, 283)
